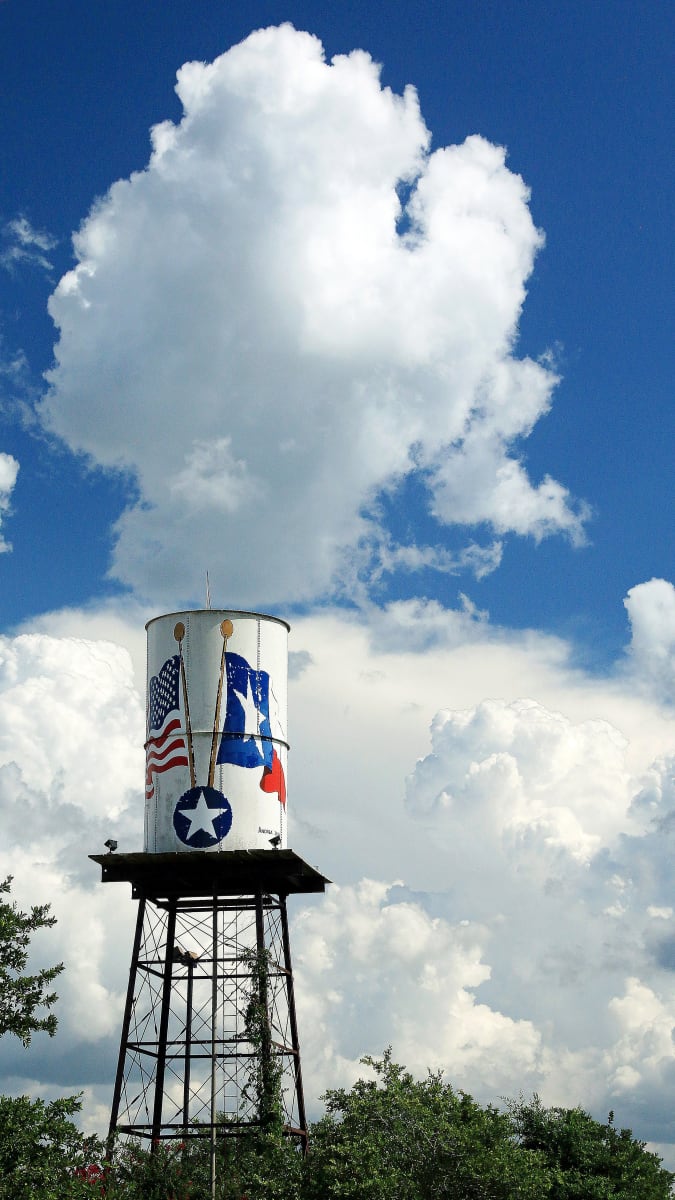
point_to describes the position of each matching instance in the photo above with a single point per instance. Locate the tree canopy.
(43, 1155)
(21, 996)
(388, 1138)
(397, 1138)
(586, 1159)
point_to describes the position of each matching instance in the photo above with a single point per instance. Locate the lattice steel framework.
(209, 1035)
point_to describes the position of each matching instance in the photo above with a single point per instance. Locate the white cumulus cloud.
(295, 304)
(651, 611)
(9, 469)
(516, 772)
(374, 970)
(71, 764)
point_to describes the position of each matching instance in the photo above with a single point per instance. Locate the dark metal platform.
(212, 873)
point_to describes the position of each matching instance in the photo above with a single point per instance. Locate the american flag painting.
(165, 747)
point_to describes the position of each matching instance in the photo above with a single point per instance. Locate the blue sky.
(579, 94)
(325, 341)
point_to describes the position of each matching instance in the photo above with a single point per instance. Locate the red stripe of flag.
(164, 752)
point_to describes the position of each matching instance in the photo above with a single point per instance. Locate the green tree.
(22, 995)
(262, 1165)
(140, 1172)
(43, 1155)
(395, 1138)
(257, 1166)
(587, 1160)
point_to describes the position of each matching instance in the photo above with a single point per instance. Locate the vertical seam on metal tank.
(256, 839)
(257, 718)
(146, 822)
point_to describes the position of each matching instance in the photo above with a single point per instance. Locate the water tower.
(209, 1044)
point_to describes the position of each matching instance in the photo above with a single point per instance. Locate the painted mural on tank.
(216, 739)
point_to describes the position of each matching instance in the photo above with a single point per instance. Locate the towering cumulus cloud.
(293, 306)
(651, 609)
(71, 760)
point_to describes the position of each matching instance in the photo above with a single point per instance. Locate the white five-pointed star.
(251, 712)
(201, 817)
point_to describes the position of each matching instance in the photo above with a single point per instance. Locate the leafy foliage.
(43, 1155)
(388, 1138)
(259, 1166)
(155, 1173)
(395, 1138)
(587, 1160)
(22, 995)
(263, 1087)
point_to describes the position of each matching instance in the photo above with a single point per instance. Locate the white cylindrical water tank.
(216, 735)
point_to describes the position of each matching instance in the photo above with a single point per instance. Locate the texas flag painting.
(247, 736)
(273, 779)
(246, 739)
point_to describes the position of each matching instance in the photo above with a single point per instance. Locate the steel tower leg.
(293, 1024)
(126, 1020)
(188, 1042)
(164, 1023)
